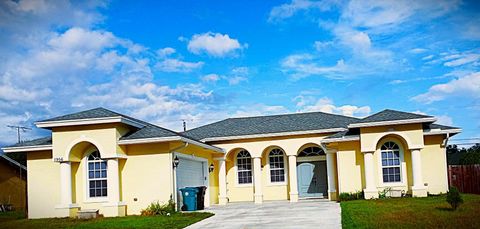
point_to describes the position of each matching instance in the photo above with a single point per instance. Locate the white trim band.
(342, 139)
(449, 131)
(167, 139)
(26, 148)
(89, 121)
(273, 134)
(393, 122)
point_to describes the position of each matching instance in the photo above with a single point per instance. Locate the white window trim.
(238, 185)
(86, 191)
(285, 169)
(403, 167)
(205, 172)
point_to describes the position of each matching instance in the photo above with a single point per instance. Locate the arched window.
(311, 151)
(97, 175)
(244, 167)
(391, 162)
(277, 166)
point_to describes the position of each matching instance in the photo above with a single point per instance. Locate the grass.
(177, 220)
(430, 212)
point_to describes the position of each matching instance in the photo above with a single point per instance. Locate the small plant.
(454, 198)
(345, 196)
(156, 208)
(383, 194)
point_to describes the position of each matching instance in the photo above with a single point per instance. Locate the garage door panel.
(190, 173)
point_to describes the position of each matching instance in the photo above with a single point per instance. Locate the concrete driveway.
(304, 214)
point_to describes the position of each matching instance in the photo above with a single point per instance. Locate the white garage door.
(190, 174)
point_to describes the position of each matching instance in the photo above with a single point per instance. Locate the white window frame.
(86, 189)
(236, 169)
(285, 170)
(403, 167)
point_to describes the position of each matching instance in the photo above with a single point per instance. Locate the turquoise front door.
(312, 179)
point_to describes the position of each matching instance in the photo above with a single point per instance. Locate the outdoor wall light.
(211, 168)
(176, 161)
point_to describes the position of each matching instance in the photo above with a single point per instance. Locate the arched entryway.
(312, 172)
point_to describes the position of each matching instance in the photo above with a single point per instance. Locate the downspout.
(174, 172)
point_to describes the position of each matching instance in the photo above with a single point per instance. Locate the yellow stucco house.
(100, 159)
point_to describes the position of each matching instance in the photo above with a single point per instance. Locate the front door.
(312, 179)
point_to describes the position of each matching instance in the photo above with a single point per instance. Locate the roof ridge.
(295, 113)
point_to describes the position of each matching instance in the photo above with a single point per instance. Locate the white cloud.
(308, 104)
(289, 9)
(211, 78)
(468, 86)
(461, 59)
(417, 50)
(260, 109)
(303, 65)
(165, 52)
(444, 120)
(176, 65)
(321, 45)
(372, 13)
(214, 44)
(429, 57)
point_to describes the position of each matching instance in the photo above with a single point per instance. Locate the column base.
(332, 195)
(222, 200)
(114, 209)
(258, 198)
(68, 210)
(419, 192)
(293, 197)
(370, 194)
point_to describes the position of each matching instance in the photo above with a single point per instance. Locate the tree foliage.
(462, 155)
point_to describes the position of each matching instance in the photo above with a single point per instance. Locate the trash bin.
(201, 197)
(189, 195)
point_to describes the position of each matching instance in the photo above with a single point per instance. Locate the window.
(277, 166)
(244, 167)
(391, 162)
(97, 175)
(311, 151)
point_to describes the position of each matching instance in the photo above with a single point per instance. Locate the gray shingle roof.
(271, 124)
(346, 133)
(391, 115)
(36, 142)
(441, 127)
(99, 112)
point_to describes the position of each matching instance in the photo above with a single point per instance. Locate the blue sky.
(203, 61)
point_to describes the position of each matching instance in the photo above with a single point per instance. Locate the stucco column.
(113, 184)
(331, 174)
(257, 173)
(65, 184)
(370, 190)
(222, 182)
(418, 188)
(114, 207)
(292, 173)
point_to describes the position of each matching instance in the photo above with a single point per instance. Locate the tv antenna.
(19, 130)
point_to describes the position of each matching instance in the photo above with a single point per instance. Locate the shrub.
(345, 196)
(383, 194)
(156, 208)
(454, 198)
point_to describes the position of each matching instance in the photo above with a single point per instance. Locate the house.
(13, 184)
(100, 159)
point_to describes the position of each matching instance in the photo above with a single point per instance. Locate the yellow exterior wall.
(43, 185)
(350, 167)
(13, 185)
(434, 165)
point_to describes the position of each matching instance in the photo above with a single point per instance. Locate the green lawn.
(177, 220)
(430, 212)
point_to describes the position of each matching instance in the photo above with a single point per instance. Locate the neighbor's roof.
(263, 125)
(36, 142)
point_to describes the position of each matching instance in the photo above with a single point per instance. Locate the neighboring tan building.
(99, 159)
(13, 183)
